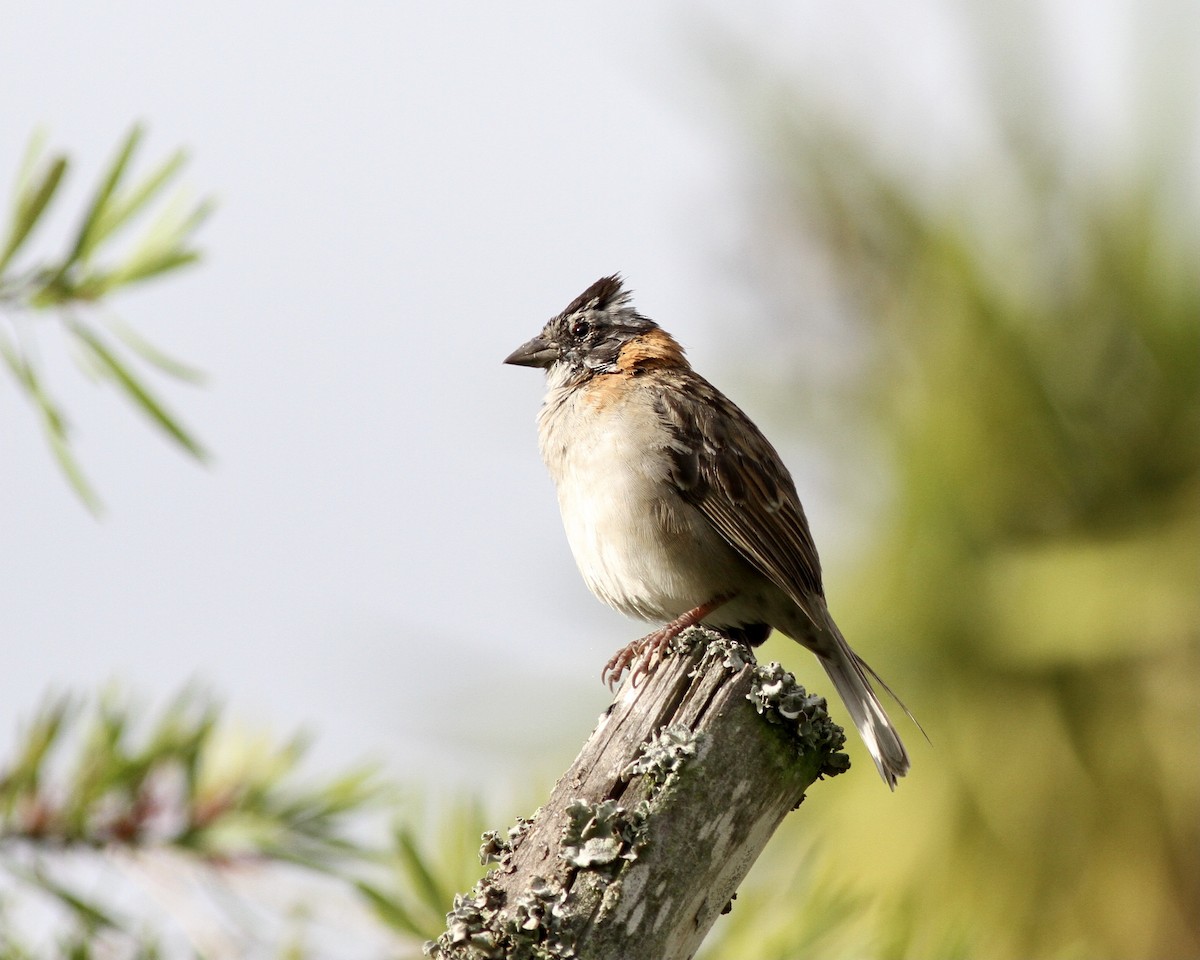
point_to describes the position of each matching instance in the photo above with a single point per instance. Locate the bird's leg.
(643, 655)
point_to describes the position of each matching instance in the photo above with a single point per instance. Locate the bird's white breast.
(639, 547)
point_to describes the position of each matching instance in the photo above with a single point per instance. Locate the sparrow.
(677, 509)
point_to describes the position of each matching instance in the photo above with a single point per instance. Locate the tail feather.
(849, 672)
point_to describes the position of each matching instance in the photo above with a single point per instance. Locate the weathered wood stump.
(644, 840)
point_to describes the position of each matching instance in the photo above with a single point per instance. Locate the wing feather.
(726, 468)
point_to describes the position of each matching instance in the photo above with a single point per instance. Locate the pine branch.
(181, 790)
(71, 287)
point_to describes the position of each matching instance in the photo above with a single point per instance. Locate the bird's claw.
(642, 655)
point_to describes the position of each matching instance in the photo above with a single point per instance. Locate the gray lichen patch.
(734, 655)
(601, 833)
(494, 848)
(540, 925)
(498, 849)
(780, 699)
(470, 927)
(610, 899)
(666, 753)
(690, 639)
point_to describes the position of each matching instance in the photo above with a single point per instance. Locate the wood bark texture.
(644, 840)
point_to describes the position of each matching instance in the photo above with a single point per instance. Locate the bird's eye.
(580, 328)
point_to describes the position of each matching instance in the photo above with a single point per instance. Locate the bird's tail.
(849, 673)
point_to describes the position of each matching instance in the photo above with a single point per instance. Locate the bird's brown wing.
(726, 468)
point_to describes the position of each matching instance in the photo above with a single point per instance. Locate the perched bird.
(677, 509)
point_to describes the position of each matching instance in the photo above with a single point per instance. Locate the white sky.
(407, 191)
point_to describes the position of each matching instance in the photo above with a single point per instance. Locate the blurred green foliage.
(431, 858)
(1026, 372)
(130, 834)
(102, 780)
(71, 286)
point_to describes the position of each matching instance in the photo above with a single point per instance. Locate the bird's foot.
(644, 654)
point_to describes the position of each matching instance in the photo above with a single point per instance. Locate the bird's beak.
(538, 352)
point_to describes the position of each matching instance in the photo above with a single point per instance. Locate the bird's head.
(598, 333)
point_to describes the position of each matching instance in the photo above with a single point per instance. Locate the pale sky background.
(406, 192)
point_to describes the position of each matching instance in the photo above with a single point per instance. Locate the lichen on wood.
(644, 840)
